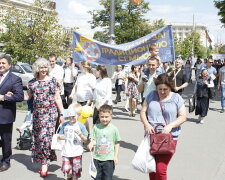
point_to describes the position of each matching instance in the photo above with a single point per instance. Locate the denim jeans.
(223, 96)
(105, 169)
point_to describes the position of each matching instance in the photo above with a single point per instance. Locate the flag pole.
(193, 28)
(112, 23)
(110, 68)
(206, 43)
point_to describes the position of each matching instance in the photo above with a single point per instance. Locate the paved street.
(200, 152)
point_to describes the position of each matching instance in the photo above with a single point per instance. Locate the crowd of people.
(58, 94)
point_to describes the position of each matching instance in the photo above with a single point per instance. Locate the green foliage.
(221, 49)
(129, 22)
(184, 48)
(33, 32)
(221, 6)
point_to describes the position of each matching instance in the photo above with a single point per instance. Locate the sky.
(75, 13)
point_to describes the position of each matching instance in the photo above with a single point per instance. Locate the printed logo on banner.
(89, 49)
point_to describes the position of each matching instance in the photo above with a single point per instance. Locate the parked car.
(24, 71)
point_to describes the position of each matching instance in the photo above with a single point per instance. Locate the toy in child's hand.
(86, 112)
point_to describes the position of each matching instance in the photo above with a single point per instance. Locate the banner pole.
(112, 23)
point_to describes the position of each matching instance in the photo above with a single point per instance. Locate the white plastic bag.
(92, 168)
(57, 144)
(143, 161)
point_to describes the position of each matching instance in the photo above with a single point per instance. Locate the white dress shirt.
(58, 73)
(3, 77)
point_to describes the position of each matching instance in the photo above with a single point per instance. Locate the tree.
(221, 6)
(33, 32)
(184, 48)
(221, 49)
(129, 22)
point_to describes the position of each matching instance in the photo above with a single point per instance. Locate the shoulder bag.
(191, 102)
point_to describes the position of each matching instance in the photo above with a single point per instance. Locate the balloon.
(82, 120)
(86, 112)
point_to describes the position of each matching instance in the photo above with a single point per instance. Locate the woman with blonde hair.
(85, 85)
(46, 104)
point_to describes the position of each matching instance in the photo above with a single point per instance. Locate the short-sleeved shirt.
(85, 83)
(119, 75)
(73, 144)
(222, 74)
(106, 137)
(211, 70)
(180, 79)
(149, 85)
(170, 110)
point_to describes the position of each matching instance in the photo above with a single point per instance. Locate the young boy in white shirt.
(74, 133)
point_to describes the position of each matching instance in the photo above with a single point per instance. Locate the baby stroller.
(24, 142)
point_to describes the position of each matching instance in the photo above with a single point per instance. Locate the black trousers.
(118, 91)
(6, 137)
(105, 169)
(68, 87)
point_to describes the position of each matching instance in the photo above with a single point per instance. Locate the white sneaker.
(202, 122)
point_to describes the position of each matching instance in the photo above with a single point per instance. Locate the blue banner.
(132, 53)
(218, 56)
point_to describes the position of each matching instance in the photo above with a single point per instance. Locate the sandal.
(69, 178)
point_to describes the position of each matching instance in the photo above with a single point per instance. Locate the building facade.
(18, 4)
(182, 30)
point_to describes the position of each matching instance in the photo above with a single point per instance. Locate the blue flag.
(132, 53)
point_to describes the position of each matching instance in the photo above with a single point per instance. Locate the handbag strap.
(162, 111)
(60, 125)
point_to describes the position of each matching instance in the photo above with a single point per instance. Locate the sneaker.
(202, 121)
(126, 109)
(222, 111)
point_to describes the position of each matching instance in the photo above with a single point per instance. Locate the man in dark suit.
(8, 83)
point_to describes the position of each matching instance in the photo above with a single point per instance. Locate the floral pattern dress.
(44, 119)
(132, 91)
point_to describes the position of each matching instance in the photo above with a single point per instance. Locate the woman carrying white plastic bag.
(143, 161)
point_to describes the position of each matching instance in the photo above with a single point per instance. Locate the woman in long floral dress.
(47, 102)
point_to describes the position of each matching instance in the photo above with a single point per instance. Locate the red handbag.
(161, 143)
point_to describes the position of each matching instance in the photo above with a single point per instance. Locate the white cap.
(69, 112)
